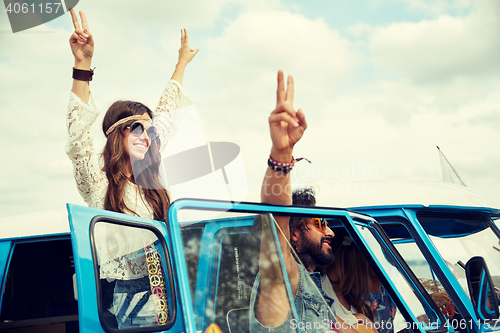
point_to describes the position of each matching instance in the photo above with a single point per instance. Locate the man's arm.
(287, 127)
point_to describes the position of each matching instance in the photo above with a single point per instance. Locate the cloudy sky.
(381, 82)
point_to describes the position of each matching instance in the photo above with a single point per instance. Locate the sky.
(381, 83)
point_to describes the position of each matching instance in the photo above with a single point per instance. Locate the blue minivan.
(438, 262)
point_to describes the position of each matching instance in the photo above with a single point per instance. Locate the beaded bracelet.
(282, 166)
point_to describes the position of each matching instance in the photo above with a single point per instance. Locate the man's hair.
(302, 197)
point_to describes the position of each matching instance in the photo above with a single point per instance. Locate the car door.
(126, 278)
(193, 255)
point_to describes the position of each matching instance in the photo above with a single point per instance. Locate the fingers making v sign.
(286, 125)
(81, 42)
(186, 53)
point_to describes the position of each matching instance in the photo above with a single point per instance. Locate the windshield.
(457, 252)
(458, 238)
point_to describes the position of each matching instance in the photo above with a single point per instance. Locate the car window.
(39, 286)
(135, 285)
(480, 241)
(407, 283)
(222, 253)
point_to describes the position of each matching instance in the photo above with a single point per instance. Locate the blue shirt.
(384, 310)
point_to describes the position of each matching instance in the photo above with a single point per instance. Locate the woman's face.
(137, 143)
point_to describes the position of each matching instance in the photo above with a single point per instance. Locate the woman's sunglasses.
(320, 223)
(137, 128)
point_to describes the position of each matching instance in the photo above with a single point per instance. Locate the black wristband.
(83, 75)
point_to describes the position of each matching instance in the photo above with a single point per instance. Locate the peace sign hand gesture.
(186, 53)
(286, 125)
(81, 42)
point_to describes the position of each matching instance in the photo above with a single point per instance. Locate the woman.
(350, 282)
(128, 182)
(114, 186)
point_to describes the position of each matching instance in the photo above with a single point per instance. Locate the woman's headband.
(124, 120)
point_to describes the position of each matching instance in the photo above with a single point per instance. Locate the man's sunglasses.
(137, 128)
(320, 223)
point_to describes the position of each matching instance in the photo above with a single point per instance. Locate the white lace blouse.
(91, 180)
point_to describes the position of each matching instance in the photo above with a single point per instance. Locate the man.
(269, 306)
(310, 252)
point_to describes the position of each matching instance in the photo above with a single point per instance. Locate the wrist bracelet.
(282, 166)
(83, 75)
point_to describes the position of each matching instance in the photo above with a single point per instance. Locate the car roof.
(48, 223)
(363, 193)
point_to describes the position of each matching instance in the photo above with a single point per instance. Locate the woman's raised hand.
(286, 125)
(186, 54)
(81, 42)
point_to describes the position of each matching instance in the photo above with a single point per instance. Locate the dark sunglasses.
(320, 223)
(137, 128)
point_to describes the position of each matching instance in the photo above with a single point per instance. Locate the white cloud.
(244, 58)
(259, 42)
(359, 29)
(128, 16)
(443, 48)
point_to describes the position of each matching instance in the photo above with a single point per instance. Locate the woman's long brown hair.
(116, 162)
(353, 273)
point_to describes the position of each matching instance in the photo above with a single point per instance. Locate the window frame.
(168, 274)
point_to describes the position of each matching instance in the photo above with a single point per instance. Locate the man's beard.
(315, 251)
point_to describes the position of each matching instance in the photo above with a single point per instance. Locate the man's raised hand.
(286, 125)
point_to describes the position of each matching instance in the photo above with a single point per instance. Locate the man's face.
(315, 241)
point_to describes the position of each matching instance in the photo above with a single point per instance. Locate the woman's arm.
(170, 108)
(81, 114)
(90, 180)
(82, 47)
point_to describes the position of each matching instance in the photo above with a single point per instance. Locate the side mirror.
(481, 288)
